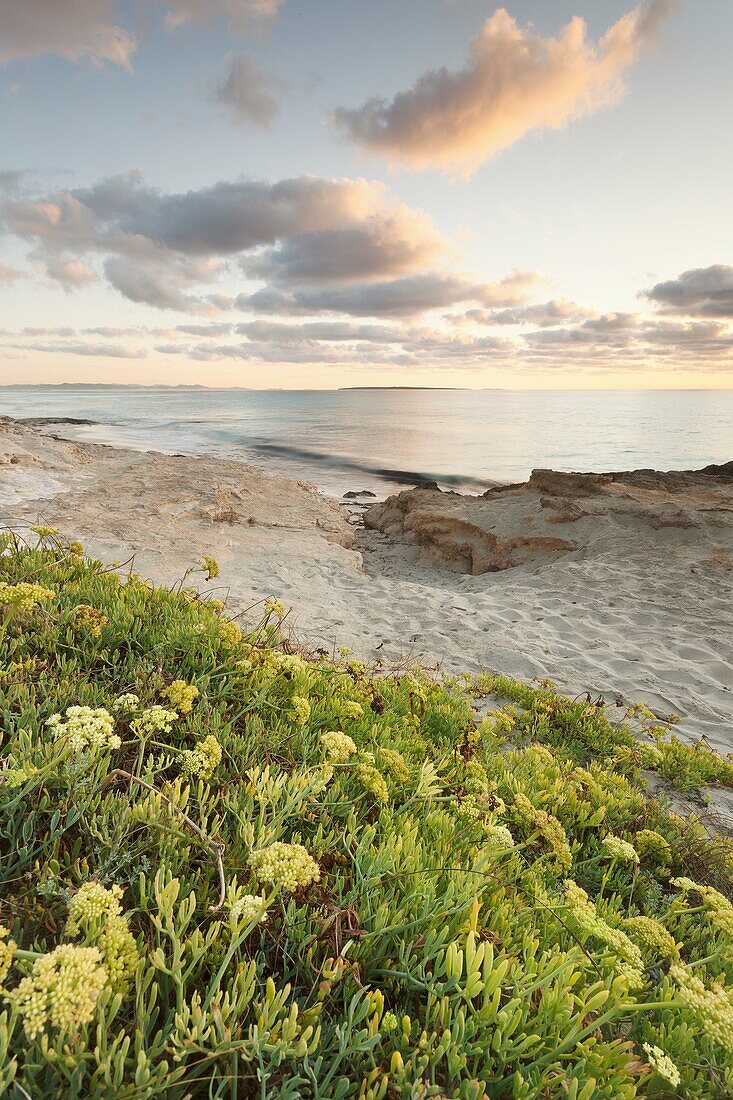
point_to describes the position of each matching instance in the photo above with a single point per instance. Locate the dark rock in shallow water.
(352, 495)
(39, 421)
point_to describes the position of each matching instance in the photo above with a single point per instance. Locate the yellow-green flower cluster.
(248, 909)
(292, 663)
(301, 709)
(651, 936)
(389, 1023)
(7, 951)
(275, 607)
(181, 696)
(16, 777)
(583, 912)
(372, 781)
(475, 779)
(95, 913)
(652, 845)
(351, 709)
(549, 828)
(230, 634)
(395, 764)
(711, 1008)
(24, 596)
(44, 531)
(202, 761)
(619, 849)
(89, 618)
(717, 906)
(127, 702)
(467, 809)
(154, 720)
(663, 1065)
(211, 567)
(92, 902)
(85, 729)
(288, 866)
(499, 835)
(62, 989)
(337, 746)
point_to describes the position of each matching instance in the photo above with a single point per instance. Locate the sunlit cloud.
(78, 30)
(514, 82)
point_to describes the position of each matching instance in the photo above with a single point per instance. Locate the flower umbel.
(202, 761)
(337, 747)
(248, 909)
(549, 828)
(95, 914)
(395, 764)
(89, 618)
(288, 866)
(662, 1064)
(127, 702)
(584, 915)
(85, 729)
(651, 936)
(181, 696)
(154, 720)
(24, 596)
(7, 950)
(619, 849)
(711, 1008)
(61, 991)
(717, 906)
(373, 781)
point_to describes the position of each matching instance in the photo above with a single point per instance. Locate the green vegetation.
(229, 870)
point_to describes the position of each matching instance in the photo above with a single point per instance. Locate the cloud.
(237, 12)
(79, 30)
(701, 292)
(626, 339)
(407, 297)
(99, 351)
(227, 217)
(514, 82)
(542, 314)
(318, 331)
(387, 243)
(9, 274)
(69, 274)
(293, 234)
(248, 93)
(215, 329)
(161, 284)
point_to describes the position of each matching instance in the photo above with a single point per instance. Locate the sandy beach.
(619, 586)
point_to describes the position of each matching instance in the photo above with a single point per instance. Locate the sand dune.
(620, 585)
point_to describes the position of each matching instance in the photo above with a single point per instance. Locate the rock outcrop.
(556, 514)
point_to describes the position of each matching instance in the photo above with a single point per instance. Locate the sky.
(281, 193)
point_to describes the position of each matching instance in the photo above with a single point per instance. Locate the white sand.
(647, 618)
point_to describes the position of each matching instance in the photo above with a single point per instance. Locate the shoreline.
(610, 617)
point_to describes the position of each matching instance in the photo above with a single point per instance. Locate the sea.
(380, 440)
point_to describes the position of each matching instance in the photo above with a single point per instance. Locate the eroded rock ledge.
(557, 514)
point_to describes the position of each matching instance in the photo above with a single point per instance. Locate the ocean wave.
(385, 473)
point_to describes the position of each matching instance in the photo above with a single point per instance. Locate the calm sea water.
(380, 439)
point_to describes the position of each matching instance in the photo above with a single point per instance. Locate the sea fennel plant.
(230, 869)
